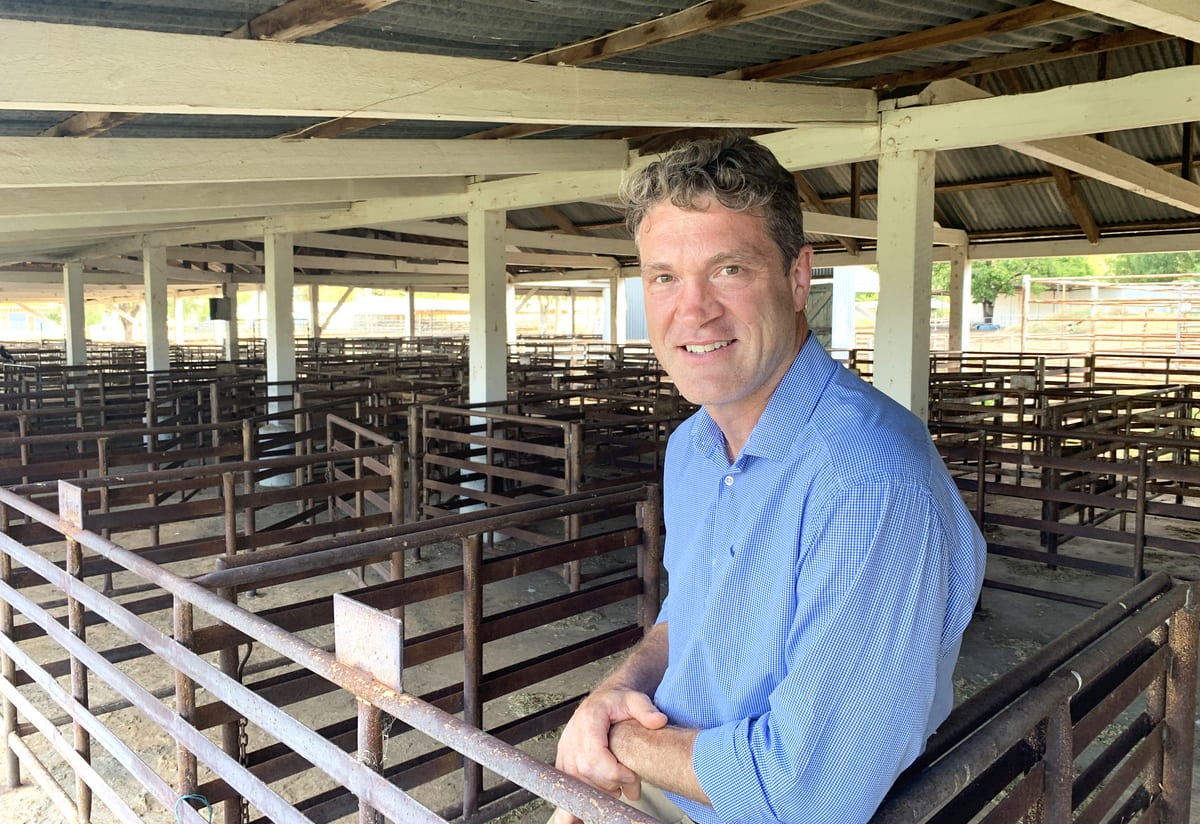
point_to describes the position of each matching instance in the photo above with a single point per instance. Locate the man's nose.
(698, 300)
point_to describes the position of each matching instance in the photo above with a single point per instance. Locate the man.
(822, 565)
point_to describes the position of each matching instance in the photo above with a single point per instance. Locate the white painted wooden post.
(74, 327)
(905, 210)
(314, 310)
(841, 321)
(281, 341)
(960, 299)
(154, 271)
(229, 293)
(510, 312)
(180, 320)
(486, 281)
(410, 324)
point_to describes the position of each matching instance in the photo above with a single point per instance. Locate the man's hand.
(583, 748)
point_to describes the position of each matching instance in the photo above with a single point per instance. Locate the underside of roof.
(368, 129)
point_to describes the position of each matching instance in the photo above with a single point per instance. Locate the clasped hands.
(584, 750)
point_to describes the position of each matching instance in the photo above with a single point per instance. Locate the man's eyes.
(663, 278)
(731, 269)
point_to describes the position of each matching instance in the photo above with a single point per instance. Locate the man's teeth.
(700, 348)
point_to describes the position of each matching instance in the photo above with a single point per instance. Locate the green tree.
(1166, 263)
(992, 278)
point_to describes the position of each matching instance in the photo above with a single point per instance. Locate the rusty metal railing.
(1100, 726)
(98, 634)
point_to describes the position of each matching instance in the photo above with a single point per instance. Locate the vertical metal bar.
(106, 532)
(980, 478)
(370, 753)
(227, 658)
(650, 555)
(472, 663)
(574, 478)
(1139, 516)
(1156, 708)
(8, 668)
(185, 696)
(1036, 814)
(79, 684)
(396, 505)
(1181, 712)
(1059, 775)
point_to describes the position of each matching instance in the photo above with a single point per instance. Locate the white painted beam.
(35, 161)
(530, 239)
(114, 200)
(1178, 17)
(1154, 98)
(149, 221)
(1085, 155)
(52, 67)
(840, 226)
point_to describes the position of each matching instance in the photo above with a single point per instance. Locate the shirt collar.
(789, 409)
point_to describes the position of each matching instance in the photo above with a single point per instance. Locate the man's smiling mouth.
(701, 348)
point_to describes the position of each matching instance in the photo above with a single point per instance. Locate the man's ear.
(801, 277)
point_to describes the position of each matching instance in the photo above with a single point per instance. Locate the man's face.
(721, 311)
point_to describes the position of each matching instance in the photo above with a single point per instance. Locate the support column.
(280, 279)
(154, 270)
(489, 318)
(314, 312)
(74, 328)
(841, 316)
(510, 312)
(180, 321)
(960, 299)
(905, 259)
(410, 323)
(229, 293)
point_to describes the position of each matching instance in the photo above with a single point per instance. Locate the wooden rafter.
(817, 204)
(1178, 17)
(1099, 44)
(703, 17)
(290, 21)
(1014, 82)
(990, 25)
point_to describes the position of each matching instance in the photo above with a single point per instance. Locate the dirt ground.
(1006, 630)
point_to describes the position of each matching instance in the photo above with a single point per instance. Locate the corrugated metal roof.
(514, 29)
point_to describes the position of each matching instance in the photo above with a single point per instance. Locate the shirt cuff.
(723, 764)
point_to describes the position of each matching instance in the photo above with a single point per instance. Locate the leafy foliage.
(1166, 263)
(992, 278)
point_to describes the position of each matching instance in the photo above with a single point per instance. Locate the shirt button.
(728, 480)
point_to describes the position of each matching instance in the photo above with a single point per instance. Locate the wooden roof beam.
(1101, 44)
(1178, 17)
(51, 67)
(817, 204)
(1084, 155)
(1038, 14)
(703, 17)
(290, 21)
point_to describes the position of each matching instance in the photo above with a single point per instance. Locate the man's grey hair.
(739, 173)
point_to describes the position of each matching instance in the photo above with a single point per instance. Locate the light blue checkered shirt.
(819, 588)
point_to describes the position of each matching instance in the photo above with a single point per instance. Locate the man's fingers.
(632, 790)
(642, 710)
(561, 816)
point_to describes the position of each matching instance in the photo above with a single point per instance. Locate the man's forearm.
(661, 757)
(643, 669)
